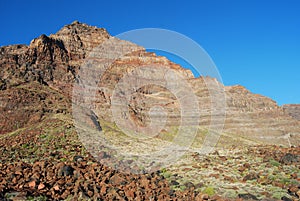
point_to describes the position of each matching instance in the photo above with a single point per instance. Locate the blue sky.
(255, 43)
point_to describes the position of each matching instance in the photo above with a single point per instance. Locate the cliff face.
(36, 82)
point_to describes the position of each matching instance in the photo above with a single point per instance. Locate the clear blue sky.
(255, 43)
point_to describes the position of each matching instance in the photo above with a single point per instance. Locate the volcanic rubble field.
(48, 162)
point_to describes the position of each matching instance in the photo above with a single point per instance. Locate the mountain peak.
(77, 27)
(79, 38)
(75, 22)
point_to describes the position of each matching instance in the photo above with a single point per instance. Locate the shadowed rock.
(289, 158)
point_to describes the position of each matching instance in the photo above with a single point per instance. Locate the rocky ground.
(48, 162)
(256, 172)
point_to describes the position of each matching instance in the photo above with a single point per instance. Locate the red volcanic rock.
(41, 186)
(32, 184)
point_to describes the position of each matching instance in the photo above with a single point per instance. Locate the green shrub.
(274, 163)
(209, 190)
(167, 174)
(182, 188)
(278, 195)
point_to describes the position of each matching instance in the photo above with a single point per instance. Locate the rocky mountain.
(37, 81)
(82, 77)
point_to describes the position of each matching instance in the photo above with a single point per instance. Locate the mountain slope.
(53, 62)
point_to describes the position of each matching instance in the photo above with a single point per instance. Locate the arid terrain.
(43, 156)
